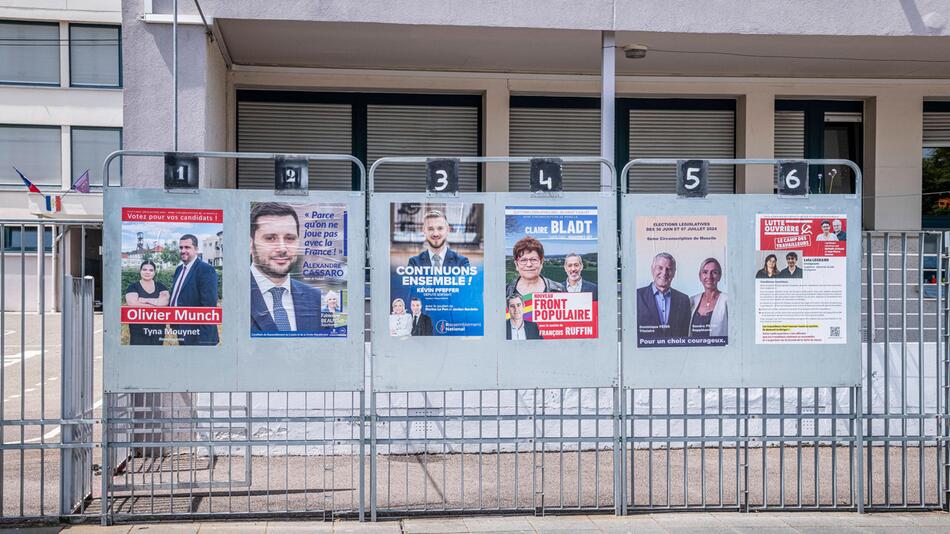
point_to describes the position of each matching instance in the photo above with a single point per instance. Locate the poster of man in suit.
(436, 265)
(172, 261)
(681, 283)
(298, 269)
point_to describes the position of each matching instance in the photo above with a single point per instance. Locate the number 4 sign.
(546, 175)
(692, 178)
(793, 178)
(442, 176)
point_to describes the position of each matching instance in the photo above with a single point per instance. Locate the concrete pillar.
(148, 98)
(893, 135)
(495, 128)
(755, 138)
(608, 102)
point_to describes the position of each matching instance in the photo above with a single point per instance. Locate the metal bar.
(670, 161)
(500, 159)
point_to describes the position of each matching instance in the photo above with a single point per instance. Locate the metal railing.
(259, 454)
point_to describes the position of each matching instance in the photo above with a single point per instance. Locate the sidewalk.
(724, 522)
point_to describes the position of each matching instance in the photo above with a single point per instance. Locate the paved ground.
(770, 523)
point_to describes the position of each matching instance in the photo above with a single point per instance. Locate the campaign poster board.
(171, 269)
(551, 269)
(298, 262)
(760, 333)
(691, 251)
(437, 274)
(580, 349)
(321, 344)
(801, 289)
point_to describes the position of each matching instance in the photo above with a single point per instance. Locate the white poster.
(801, 279)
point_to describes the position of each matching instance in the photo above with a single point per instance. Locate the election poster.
(298, 270)
(436, 269)
(801, 279)
(681, 283)
(171, 265)
(550, 272)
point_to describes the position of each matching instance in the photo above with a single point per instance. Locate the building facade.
(60, 115)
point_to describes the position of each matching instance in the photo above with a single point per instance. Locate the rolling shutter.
(789, 134)
(294, 127)
(681, 134)
(936, 129)
(555, 132)
(431, 131)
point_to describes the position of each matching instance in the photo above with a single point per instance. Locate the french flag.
(29, 184)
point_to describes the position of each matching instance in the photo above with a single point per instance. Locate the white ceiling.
(515, 50)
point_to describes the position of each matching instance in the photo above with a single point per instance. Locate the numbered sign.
(546, 175)
(181, 171)
(692, 178)
(291, 174)
(793, 179)
(442, 176)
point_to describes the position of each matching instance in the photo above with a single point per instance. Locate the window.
(90, 146)
(679, 129)
(15, 237)
(94, 57)
(367, 125)
(555, 126)
(35, 150)
(935, 179)
(821, 129)
(29, 53)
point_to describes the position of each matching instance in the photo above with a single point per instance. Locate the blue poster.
(436, 264)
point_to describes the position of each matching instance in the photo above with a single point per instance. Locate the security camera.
(635, 51)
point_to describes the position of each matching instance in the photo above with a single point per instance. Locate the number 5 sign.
(692, 177)
(442, 176)
(793, 178)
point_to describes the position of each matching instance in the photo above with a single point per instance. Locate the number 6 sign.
(793, 178)
(692, 178)
(442, 176)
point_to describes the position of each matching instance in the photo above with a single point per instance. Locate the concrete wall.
(765, 17)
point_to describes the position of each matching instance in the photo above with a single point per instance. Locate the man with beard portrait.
(436, 229)
(278, 303)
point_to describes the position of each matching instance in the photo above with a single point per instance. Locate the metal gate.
(489, 451)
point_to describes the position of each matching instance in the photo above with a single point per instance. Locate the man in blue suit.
(279, 304)
(195, 285)
(437, 254)
(662, 312)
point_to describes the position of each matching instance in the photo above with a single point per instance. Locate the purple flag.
(82, 183)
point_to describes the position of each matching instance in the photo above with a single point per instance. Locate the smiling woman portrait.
(528, 254)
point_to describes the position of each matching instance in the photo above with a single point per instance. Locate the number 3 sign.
(692, 178)
(442, 176)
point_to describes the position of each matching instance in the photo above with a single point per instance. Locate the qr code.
(835, 331)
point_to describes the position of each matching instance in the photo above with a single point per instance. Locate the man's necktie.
(178, 284)
(280, 314)
(436, 261)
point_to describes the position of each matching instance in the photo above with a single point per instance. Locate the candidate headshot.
(826, 234)
(421, 323)
(436, 229)
(279, 303)
(516, 327)
(575, 282)
(662, 312)
(838, 227)
(793, 270)
(528, 255)
(195, 284)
